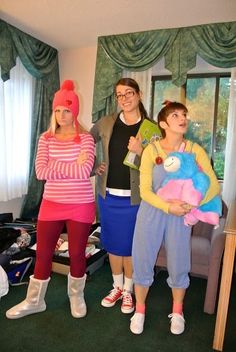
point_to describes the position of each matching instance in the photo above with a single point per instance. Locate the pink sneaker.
(127, 305)
(111, 299)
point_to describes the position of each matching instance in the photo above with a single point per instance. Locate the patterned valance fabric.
(215, 43)
(40, 59)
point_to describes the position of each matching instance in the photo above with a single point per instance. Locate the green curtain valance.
(215, 43)
(41, 61)
(138, 50)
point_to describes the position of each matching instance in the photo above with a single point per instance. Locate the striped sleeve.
(73, 170)
(42, 169)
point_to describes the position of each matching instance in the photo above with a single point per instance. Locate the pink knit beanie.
(67, 97)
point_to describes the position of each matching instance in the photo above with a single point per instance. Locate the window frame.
(216, 75)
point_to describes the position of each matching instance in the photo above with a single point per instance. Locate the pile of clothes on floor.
(16, 256)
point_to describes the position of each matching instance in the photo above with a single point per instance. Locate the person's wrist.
(140, 151)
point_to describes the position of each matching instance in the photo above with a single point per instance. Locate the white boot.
(76, 296)
(34, 301)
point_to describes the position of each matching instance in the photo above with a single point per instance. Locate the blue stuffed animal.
(185, 181)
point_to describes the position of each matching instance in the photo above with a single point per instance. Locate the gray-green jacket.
(102, 131)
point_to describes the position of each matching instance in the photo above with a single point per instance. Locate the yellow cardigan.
(148, 161)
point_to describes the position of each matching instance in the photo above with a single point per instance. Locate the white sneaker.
(137, 322)
(177, 323)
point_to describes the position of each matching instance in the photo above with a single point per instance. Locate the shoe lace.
(176, 316)
(113, 293)
(127, 299)
(138, 318)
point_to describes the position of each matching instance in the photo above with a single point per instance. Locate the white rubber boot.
(76, 296)
(34, 301)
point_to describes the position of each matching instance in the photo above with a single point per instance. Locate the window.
(15, 121)
(207, 98)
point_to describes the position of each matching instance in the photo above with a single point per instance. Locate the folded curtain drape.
(41, 60)
(215, 43)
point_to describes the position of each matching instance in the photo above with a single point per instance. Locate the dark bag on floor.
(16, 257)
(18, 269)
(7, 237)
(6, 217)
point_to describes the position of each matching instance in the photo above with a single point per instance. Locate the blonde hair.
(53, 125)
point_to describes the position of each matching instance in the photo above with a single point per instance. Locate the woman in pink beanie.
(65, 159)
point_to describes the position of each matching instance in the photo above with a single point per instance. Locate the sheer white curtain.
(144, 80)
(15, 121)
(229, 186)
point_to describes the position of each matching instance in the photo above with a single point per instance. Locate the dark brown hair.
(170, 106)
(133, 84)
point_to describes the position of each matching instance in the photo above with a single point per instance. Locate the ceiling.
(72, 24)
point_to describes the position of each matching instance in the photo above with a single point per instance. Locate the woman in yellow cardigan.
(163, 221)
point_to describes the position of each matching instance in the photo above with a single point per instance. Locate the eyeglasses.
(128, 94)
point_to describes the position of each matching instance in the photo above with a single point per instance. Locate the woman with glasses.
(118, 187)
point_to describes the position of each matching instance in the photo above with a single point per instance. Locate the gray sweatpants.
(153, 227)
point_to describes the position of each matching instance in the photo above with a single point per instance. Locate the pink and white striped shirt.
(66, 181)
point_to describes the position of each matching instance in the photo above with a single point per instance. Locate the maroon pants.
(48, 233)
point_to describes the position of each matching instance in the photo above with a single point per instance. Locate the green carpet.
(107, 329)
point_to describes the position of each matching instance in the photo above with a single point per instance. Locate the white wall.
(12, 206)
(79, 65)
